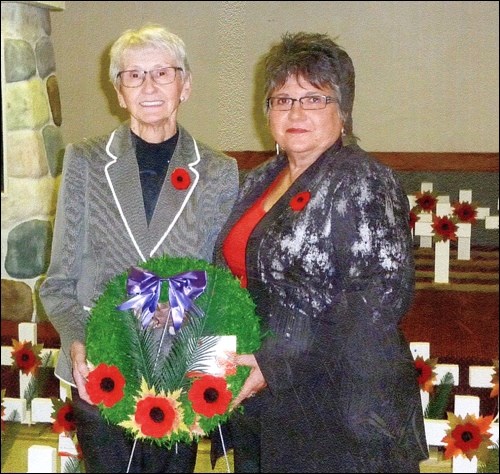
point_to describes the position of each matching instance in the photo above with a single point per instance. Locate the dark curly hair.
(319, 60)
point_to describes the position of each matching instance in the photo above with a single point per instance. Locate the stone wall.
(33, 148)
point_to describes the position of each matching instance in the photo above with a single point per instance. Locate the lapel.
(122, 174)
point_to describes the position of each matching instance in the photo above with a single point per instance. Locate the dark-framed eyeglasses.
(161, 75)
(308, 102)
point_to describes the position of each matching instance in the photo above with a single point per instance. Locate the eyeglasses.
(135, 78)
(308, 102)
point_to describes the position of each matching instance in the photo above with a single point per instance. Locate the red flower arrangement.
(468, 436)
(414, 217)
(62, 414)
(26, 356)
(105, 385)
(209, 395)
(426, 375)
(444, 228)
(465, 212)
(300, 200)
(426, 201)
(180, 179)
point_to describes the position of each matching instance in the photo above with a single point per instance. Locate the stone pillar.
(32, 155)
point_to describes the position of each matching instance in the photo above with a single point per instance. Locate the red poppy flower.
(63, 417)
(209, 395)
(426, 374)
(26, 356)
(444, 228)
(180, 178)
(465, 212)
(105, 385)
(300, 200)
(426, 201)
(155, 415)
(414, 217)
(468, 436)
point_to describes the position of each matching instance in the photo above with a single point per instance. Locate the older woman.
(147, 189)
(320, 237)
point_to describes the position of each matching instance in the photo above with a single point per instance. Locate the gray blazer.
(101, 229)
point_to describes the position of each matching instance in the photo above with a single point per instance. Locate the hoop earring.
(277, 149)
(343, 131)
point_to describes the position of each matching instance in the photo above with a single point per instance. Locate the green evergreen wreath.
(162, 395)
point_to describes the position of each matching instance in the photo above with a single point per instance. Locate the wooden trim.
(400, 160)
(425, 161)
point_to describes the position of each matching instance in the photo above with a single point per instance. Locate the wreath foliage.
(115, 338)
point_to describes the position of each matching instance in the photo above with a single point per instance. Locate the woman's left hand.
(255, 381)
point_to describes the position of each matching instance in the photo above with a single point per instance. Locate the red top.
(235, 243)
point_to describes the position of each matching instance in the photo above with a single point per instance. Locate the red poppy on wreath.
(494, 380)
(62, 414)
(468, 436)
(414, 217)
(180, 178)
(426, 201)
(156, 414)
(465, 212)
(444, 228)
(26, 356)
(426, 375)
(105, 385)
(300, 200)
(209, 395)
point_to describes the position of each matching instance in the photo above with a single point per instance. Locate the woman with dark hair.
(320, 236)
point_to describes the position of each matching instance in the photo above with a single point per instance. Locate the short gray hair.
(148, 36)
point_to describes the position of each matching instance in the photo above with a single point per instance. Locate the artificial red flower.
(105, 385)
(426, 375)
(180, 178)
(444, 228)
(414, 217)
(494, 380)
(468, 436)
(156, 414)
(62, 414)
(26, 356)
(300, 200)
(465, 212)
(426, 201)
(209, 395)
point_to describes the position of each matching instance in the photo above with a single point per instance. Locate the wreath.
(152, 341)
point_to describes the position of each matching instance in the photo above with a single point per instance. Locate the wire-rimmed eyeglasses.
(308, 102)
(161, 75)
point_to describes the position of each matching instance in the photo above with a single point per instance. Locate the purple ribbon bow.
(183, 289)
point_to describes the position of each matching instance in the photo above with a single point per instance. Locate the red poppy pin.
(105, 385)
(180, 178)
(300, 200)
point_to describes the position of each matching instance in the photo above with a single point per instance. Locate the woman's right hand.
(80, 369)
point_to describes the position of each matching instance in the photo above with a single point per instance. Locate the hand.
(255, 381)
(80, 369)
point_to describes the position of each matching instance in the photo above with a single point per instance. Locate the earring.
(343, 131)
(277, 149)
(182, 99)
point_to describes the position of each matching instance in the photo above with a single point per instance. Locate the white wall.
(427, 72)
